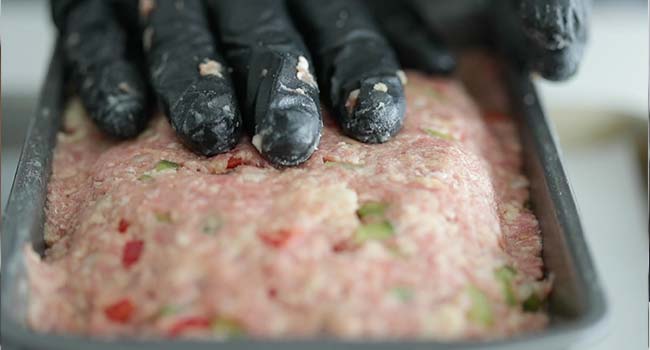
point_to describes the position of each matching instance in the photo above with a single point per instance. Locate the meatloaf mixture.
(425, 236)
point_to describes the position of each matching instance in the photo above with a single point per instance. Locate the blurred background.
(601, 117)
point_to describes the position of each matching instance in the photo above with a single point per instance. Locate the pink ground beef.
(147, 239)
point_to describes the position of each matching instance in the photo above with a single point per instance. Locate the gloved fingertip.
(430, 58)
(288, 149)
(115, 97)
(557, 66)
(207, 121)
(446, 62)
(122, 116)
(441, 62)
(374, 112)
(553, 24)
(290, 132)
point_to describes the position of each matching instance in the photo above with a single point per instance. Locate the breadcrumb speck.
(124, 87)
(303, 73)
(147, 38)
(351, 102)
(402, 77)
(210, 67)
(183, 239)
(380, 87)
(257, 142)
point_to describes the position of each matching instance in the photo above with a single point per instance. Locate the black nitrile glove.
(184, 48)
(545, 36)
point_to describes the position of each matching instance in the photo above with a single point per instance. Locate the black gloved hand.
(545, 36)
(272, 70)
(273, 75)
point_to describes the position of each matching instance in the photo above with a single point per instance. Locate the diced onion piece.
(346, 165)
(533, 303)
(166, 165)
(374, 231)
(404, 294)
(145, 177)
(505, 275)
(228, 328)
(372, 209)
(438, 134)
(212, 224)
(481, 310)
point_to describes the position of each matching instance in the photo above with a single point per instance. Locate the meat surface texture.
(427, 236)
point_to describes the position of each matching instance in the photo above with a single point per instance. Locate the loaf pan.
(576, 304)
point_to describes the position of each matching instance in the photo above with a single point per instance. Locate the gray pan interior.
(576, 305)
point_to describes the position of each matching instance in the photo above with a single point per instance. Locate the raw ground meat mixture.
(426, 236)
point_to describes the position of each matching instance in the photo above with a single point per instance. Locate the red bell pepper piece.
(234, 162)
(122, 226)
(131, 252)
(188, 323)
(278, 238)
(120, 311)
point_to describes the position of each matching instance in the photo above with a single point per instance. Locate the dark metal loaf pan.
(576, 305)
